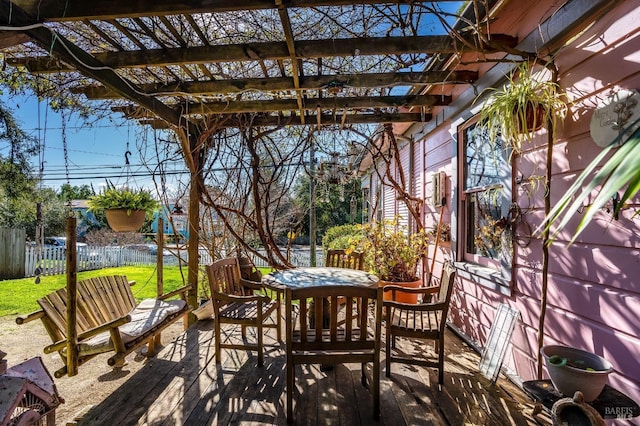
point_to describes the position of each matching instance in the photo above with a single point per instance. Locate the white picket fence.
(298, 257)
(52, 260)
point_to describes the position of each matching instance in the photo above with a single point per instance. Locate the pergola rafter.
(183, 75)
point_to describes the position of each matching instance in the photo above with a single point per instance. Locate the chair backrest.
(347, 328)
(99, 300)
(340, 259)
(446, 284)
(224, 277)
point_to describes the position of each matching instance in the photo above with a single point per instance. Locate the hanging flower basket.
(123, 220)
(125, 209)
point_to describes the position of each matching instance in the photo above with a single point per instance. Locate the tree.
(72, 192)
(333, 205)
(20, 211)
(15, 169)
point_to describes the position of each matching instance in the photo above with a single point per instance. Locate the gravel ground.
(95, 379)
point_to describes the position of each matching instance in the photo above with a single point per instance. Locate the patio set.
(333, 314)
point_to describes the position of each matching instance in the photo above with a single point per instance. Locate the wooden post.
(72, 280)
(160, 258)
(194, 241)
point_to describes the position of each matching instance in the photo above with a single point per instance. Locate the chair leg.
(260, 346)
(441, 360)
(279, 325)
(375, 389)
(363, 378)
(290, 380)
(387, 359)
(217, 341)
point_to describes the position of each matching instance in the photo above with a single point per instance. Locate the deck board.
(184, 385)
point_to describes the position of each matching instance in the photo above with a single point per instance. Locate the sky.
(94, 153)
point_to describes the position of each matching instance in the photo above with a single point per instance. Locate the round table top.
(318, 277)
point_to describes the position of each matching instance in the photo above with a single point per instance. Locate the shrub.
(341, 237)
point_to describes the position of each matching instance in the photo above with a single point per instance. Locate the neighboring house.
(175, 223)
(594, 284)
(86, 218)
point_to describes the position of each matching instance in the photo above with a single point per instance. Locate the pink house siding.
(594, 284)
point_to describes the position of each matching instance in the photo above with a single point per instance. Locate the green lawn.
(19, 296)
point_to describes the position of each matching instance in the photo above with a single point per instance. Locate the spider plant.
(524, 104)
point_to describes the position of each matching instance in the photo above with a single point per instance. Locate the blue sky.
(94, 152)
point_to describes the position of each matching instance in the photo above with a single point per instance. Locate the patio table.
(319, 276)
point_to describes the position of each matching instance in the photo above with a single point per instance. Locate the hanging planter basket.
(534, 118)
(123, 220)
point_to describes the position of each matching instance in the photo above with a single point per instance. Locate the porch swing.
(100, 315)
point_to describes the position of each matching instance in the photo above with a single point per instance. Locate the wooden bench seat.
(107, 319)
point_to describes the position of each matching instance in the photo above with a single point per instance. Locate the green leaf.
(622, 169)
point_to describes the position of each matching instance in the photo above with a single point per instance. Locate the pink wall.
(594, 284)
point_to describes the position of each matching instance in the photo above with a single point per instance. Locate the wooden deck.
(183, 386)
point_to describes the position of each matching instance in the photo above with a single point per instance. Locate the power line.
(86, 152)
(61, 175)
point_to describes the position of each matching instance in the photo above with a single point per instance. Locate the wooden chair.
(424, 320)
(234, 302)
(339, 259)
(350, 342)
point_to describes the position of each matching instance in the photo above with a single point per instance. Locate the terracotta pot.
(534, 118)
(402, 297)
(120, 221)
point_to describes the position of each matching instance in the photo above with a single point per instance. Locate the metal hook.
(615, 200)
(126, 157)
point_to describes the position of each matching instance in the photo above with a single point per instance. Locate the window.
(486, 182)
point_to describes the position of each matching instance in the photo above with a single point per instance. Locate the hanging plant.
(125, 209)
(517, 110)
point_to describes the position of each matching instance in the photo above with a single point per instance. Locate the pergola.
(188, 65)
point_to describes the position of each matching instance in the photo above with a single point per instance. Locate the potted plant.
(394, 255)
(572, 369)
(124, 208)
(521, 107)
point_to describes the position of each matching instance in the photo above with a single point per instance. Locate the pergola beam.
(335, 103)
(267, 51)
(286, 83)
(322, 120)
(62, 10)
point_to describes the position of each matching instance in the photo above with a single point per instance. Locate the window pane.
(484, 226)
(484, 159)
(485, 165)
